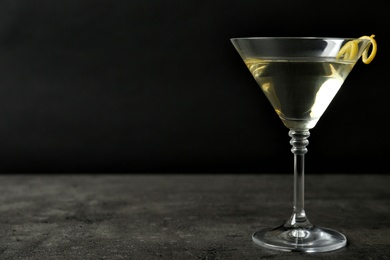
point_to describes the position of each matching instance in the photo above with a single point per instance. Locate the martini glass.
(300, 76)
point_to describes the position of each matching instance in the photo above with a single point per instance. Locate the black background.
(156, 86)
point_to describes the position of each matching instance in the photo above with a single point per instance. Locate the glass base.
(310, 240)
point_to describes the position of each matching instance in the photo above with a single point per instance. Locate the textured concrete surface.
(183, 216)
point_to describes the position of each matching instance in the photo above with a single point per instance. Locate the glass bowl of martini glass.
(300, 76)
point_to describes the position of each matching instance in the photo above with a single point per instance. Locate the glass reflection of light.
(325, 95)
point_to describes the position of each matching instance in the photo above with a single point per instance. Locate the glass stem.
(299, 142)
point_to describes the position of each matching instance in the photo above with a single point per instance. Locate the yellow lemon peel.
(373, 50)
(351, 48)
(348, 51)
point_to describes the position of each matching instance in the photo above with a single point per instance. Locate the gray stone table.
(183, 216)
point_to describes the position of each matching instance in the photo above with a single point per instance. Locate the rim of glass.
(296, 38)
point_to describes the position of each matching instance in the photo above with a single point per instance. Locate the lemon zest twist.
(350, 50)
(373, 51)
